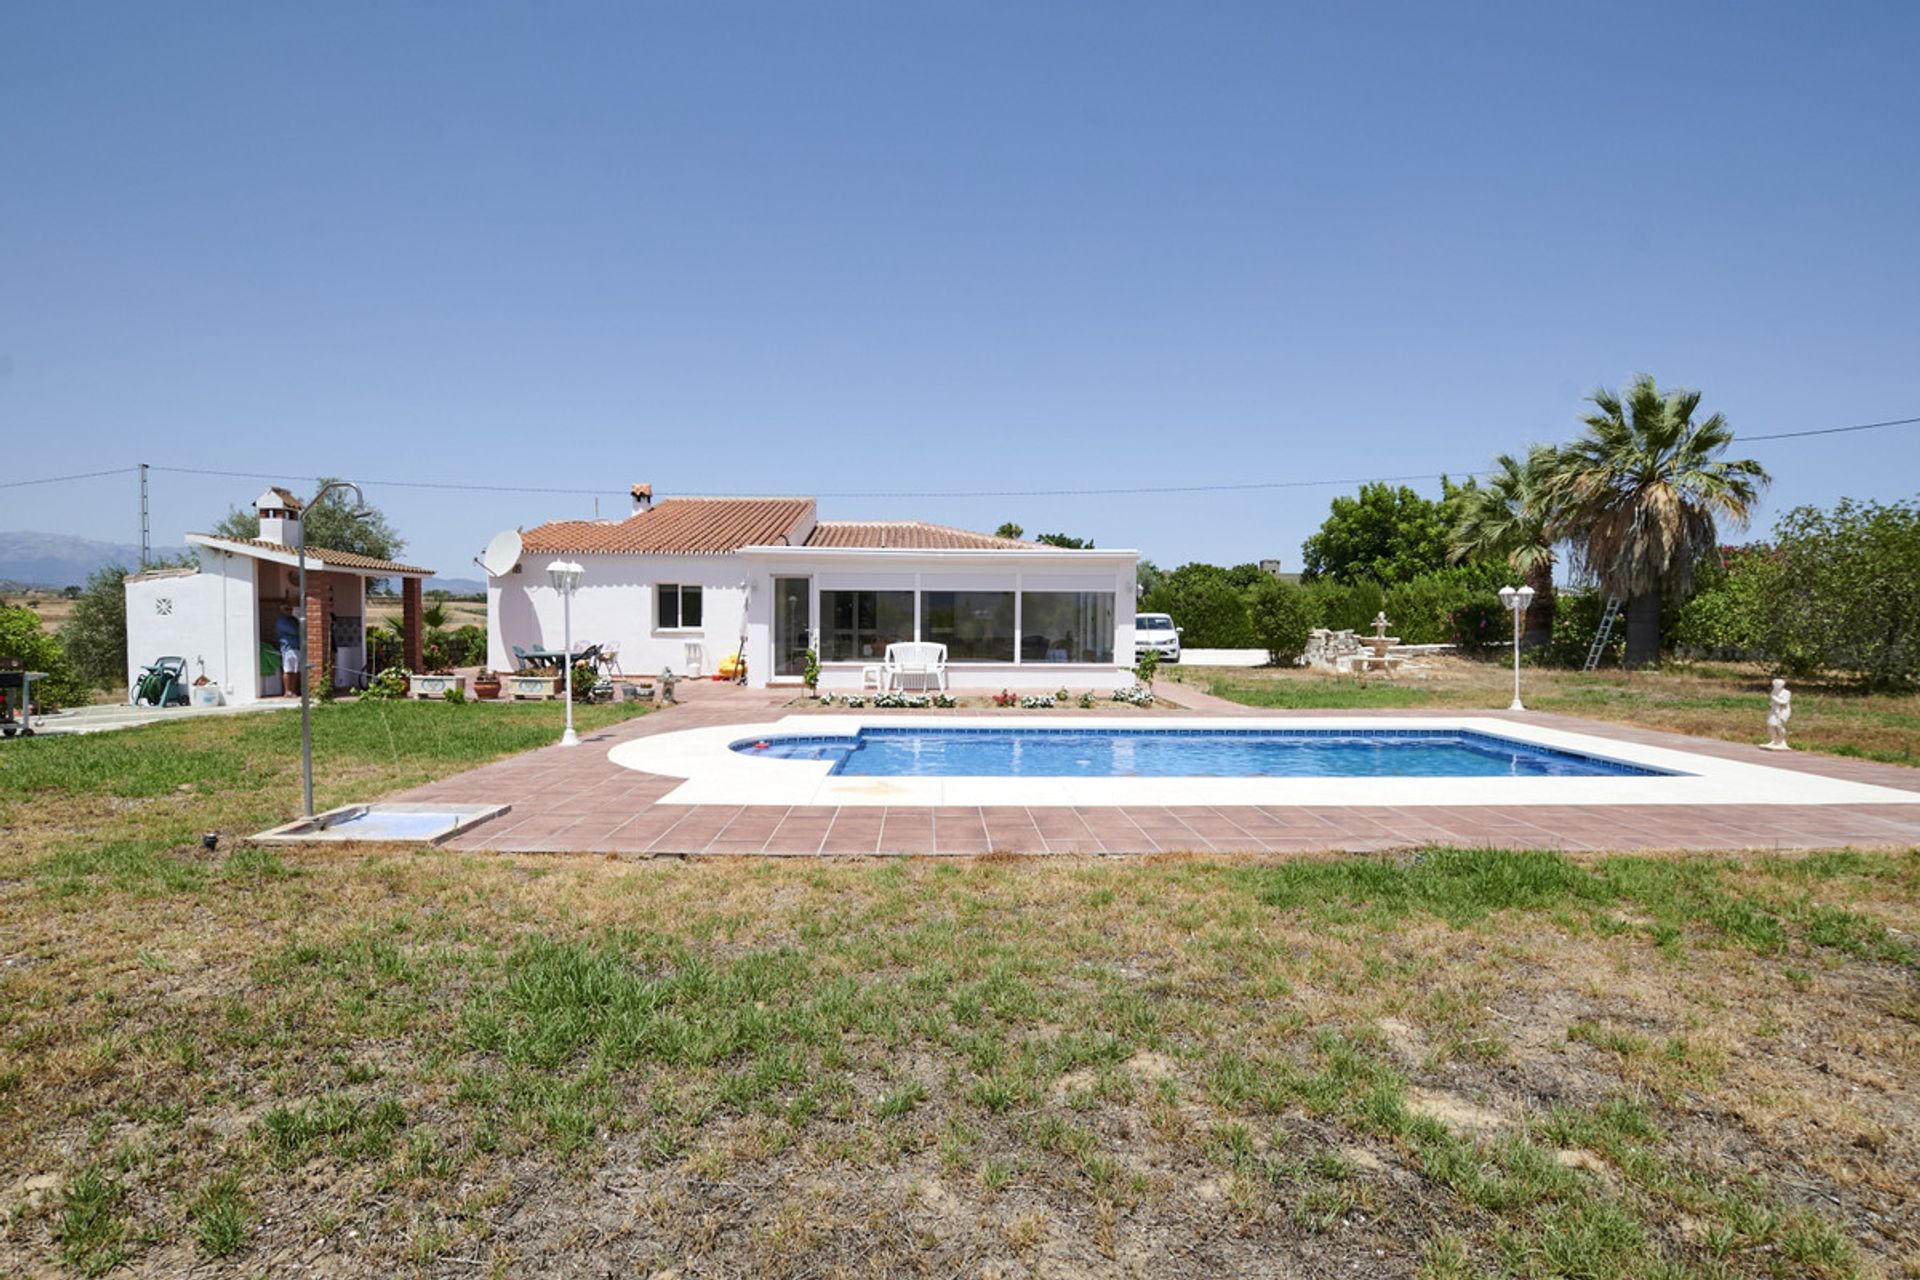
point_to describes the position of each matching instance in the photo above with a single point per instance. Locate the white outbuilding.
(224, 614)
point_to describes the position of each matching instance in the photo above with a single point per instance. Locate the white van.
(1156, 631)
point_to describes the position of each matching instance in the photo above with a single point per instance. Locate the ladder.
(1608, 616)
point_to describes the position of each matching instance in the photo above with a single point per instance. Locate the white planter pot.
(532, 686)
(431, 686)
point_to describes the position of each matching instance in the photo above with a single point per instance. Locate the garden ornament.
(1779, 711)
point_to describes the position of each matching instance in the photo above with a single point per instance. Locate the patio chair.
(520, 659)
(610, 658)
(915, 662)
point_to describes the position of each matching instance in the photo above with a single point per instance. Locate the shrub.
(1206, 605)
(945, 700)
(95, 632)
(1345, 606)
(1460, 606)
(1147, 666)
(22, 637)
(391, 683)
(1727, 616)
(1282, 616)
(1842, 591)
(455, 694)
(1574, 623)
(1134, 696)
(1036, 701)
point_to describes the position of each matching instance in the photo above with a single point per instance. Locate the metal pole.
(568, 739)
(306, 706)
(1516, 659)
(146, 525)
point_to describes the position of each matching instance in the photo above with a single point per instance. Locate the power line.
(393, 484)
(1108, 491)
(1832, 431)
(78, 475)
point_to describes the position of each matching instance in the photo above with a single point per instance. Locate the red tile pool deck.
(577, 801)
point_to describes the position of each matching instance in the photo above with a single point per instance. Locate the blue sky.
(830, 248)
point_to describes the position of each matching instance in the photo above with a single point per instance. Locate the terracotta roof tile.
(909, 535)
(326, 556)
(683, 526)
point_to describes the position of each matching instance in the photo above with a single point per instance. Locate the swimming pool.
(1084, 752)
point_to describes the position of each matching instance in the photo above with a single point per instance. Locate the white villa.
(685, 583)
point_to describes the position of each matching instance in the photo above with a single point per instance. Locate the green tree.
(1641, 494)
(1009, 530)
(95, 632)
(22, 637)
(1841, 591)
(1062, 540)
(1508, 521)
(1384, 533)
(334, 523)
(1281, 616)
(1147, 576)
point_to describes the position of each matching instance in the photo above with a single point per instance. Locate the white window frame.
(679, 590)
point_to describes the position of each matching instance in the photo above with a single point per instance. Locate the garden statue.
(1380, 623)
(1779, 711)
(666, 687)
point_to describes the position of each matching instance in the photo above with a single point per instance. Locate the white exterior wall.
(615, 602)
(205, 617)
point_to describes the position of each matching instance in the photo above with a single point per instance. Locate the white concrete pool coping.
(717, 775)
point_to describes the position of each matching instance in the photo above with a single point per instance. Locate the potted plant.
(486, 683)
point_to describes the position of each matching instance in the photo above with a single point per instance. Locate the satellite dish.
(501, 554)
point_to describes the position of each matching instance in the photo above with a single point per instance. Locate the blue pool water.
(1184, 753)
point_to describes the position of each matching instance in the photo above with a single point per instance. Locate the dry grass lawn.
(386, 1062)
(1710, 700)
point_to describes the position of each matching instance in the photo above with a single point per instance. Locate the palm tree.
(1508, 520)
(1639, 494)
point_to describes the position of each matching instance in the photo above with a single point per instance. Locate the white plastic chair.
(915, 661)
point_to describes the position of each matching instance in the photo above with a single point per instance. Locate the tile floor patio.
(577, 801)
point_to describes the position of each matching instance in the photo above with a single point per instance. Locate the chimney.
(279, 513)
(642, 497)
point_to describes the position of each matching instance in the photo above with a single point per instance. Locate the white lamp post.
(1516, 599)
(565, 575)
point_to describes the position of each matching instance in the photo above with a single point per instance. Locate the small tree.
(334, 523)
(1063, 540)
(810, 675)
(1282, 617)
(1009, 530)
(95, 632)
(22, 637)
(1147, 666)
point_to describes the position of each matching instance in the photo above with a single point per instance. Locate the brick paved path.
(578, 801)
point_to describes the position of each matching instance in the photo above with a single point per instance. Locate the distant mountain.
(456, 586)
(62, 560)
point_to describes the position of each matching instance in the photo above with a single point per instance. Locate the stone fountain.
(1378, 644)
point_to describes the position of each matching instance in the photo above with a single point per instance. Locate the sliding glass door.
(792, 625)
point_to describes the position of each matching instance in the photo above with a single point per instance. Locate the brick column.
(319, 637)
(410, 621)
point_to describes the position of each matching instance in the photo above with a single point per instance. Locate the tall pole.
(146, 525)
(306, 705)
(569, 738)
(1516, 657)
(306, 685)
